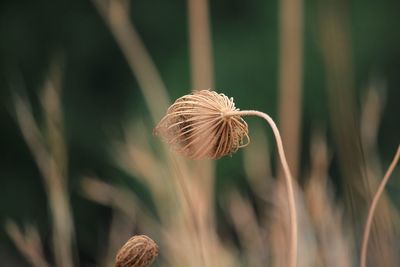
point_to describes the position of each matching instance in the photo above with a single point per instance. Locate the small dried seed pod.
(139, 251)
(197, 127)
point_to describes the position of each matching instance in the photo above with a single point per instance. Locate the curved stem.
(367, 230)
(288, 176)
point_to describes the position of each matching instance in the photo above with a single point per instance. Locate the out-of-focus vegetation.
(64, 52)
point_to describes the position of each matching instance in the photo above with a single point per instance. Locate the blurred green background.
(100, 95)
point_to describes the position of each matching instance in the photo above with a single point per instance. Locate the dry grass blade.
(372, 112)
(278, 224)
(116, 16)
(117, 198)
(364, 244)
(334, 26)
(200, 45)
(202, 77)
(290, 79)
(48, 150)
(333, 248)
(135, 155)
(251, 235)
(29, 244)
(257, 164)
(382, 250)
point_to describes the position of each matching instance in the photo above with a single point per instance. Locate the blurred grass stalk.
(115, 13)
(202, 77)
(372, 209)
(28, 243)
(48, 149)
(331, 242)
(290, 80)
(355, 162)
(263, 232)
(202, 69)
(124, 217)
(290, 102)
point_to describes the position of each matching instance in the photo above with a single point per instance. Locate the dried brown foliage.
(195, 126)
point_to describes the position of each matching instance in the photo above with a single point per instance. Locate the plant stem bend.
(288, 176)
(371, 211)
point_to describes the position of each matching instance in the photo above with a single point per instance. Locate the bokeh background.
(328, 71)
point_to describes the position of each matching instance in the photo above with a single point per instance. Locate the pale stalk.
(202, 76)
(290, 79)
(138, 58)
(201, 60)
(368, 224)
(288, 177)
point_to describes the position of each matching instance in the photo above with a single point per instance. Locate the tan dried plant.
(206, 124)
(138, 251)
(194, 126)
(372, 208)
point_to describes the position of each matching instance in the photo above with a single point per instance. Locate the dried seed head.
(139, 251)
(197, 126)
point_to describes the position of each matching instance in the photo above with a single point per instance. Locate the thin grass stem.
(368, 224)
(137, 56)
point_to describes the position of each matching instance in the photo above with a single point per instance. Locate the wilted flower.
(207, 124)
(196, 125)
(139, 251)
